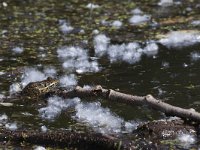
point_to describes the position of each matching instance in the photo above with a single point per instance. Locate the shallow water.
(32, 32)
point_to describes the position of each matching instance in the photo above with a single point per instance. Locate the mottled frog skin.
(37, 89)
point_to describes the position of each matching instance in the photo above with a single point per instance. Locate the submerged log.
(149, 100)
(166, 129)
(154, 131)
(62, 139)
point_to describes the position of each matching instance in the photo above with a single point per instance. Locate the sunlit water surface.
(82, 43)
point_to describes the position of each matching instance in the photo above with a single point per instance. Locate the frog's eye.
(49, 78)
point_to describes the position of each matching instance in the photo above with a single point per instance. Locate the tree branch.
(148, 100)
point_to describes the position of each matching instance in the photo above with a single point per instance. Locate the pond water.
(140, 48)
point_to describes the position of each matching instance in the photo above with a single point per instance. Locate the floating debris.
(55, 106)
(92, 6)
(166, 3)
(117, 24)
(195, 56)
(68, 80)
(179, 39)
(101, 119)
(139, 19)
(18, 49)
(76, 59)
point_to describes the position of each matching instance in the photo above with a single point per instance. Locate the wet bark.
(62, 139)
(149, 100)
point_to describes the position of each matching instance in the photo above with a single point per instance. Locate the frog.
(39, 88)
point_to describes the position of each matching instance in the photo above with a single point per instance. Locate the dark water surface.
(171, 74)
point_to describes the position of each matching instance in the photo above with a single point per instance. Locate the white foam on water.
(137, 11)
(130, 52)
(179, 39)
(104, 22)
(139, 19)
(165, 64)
(3, 118)
(151, 48)
(196, 23)
(32, 75)
(65, 27)
(1, 73)
(116, 24)
(76, 59)
(121, 53)
(39, 148)
(2, 96)
(55, 106)
(68, 52)
(44, 128)
(95, 31)
(86, 66)
(101, 119)
(195, 56)
(14, 88)
(101, 42)
(11, 126)
(41, 48)
(68, 80)
(26, 114)
(166, 3)
(186, 139)
(50, 71)
(87, 87)
(18, 49)
(92, 6)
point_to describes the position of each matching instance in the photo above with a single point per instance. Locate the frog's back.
(36, 89)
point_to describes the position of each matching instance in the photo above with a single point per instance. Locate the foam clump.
(14, 88)
(71, 52)
(65, 26)
(68, 80)
(39, 148)
(116, 24)
(29, 75)
(151, 48)
(32, 75)
(3, 118)
(11, 126)
(196, 23)
(2, 73)
(137, 11)
(165, 3)
(186, 139)
(101, 42)
(178, 39)
(195, 56)
(76, 59)
(44, 128)
(50, 71)
(2, 96)
(55, 106)
(139, 19)
(87, 87)
(92, 6)
(100, 119)
(18, 49)
(95, 31)
(131, 52)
